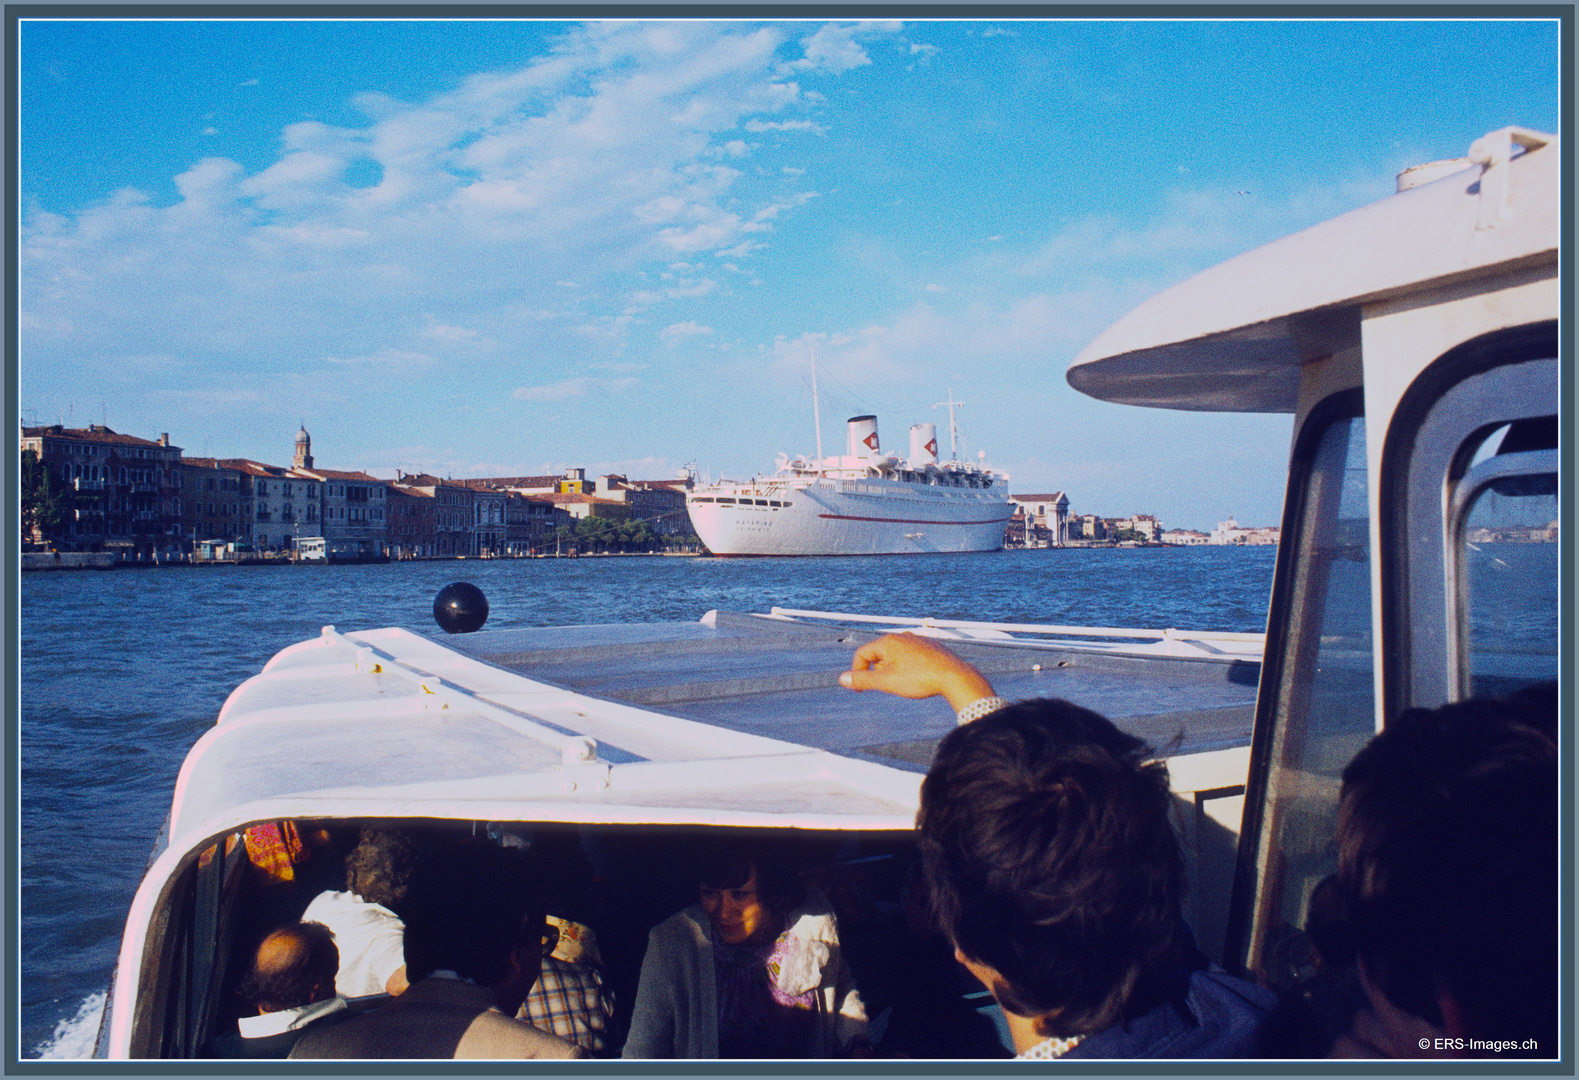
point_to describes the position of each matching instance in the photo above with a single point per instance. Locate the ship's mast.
(816, 411)
(953, 428)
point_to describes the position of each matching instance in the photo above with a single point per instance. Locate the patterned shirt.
(570, 1001)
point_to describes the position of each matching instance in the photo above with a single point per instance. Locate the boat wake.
(74, 1035)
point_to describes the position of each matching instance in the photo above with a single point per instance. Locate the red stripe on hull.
(915, 521)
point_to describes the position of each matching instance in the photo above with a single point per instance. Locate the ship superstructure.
(863, 502)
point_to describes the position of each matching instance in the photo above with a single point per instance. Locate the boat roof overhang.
(1234, 338)
(387, 723)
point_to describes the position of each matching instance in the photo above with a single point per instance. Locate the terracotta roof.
(425, 480)
(571, 497)
(337, 474)
(413, 492)
(95, 433)
(253, 468)
(518, 481)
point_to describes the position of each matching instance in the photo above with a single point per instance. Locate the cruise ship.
(864, 502)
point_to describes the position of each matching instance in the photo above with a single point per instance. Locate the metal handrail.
(1169, 634)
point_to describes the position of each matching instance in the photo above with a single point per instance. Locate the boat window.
(724, 500)
(1504, 529)
(703, 498)
(762, 502)
(1456, 471)
(1316, 706)
(774, 502)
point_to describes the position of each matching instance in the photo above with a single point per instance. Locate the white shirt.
(277, 1023)
(370, 937)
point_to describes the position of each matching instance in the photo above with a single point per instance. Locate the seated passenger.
(1051, 865)
(751, 971)
(291, 985)
(474, 947)
(369, 933)
(570, 998)
(1448, 835)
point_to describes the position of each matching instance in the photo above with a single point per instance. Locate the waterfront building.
(1145, 527)
(452, 511)
(1049, 517)
(278, 505)
(1185, 537)
(354, 511)
(413, 521)
(530, 523)
(211, 501)
(490, 530)
(660, 503)
(120, 493)
(1231, 532)
(580, 506)
(574, 482)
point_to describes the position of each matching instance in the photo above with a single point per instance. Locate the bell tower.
(304, 449)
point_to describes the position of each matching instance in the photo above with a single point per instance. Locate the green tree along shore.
(46, 505)
(595, 534)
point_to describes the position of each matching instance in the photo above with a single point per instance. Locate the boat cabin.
(1415, 341)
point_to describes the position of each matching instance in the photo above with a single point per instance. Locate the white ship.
(864, 502)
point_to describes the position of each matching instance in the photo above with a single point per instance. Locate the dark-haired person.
(474, 947)
(1448, 874)
(291, 985)
(1051, 865)
(369, 933)
(752, 970)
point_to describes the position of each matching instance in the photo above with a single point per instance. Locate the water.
(123, 671)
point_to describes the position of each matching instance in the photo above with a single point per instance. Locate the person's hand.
(911, 666)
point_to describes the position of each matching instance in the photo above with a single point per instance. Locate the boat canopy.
(1233, 338)
(387, 723)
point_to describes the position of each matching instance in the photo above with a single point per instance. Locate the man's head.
(379, 868)
(293, 967)
(1050, 860)
(475, 909)
(1448, 866)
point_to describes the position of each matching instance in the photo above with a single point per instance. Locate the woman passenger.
(753, 970)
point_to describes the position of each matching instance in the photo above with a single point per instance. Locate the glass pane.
(1510, 584)
(1326, 703)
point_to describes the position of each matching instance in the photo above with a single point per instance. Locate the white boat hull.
(852, 517)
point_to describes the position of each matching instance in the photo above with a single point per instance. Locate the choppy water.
(122, 671)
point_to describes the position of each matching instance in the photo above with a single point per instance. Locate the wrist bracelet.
(979, 708)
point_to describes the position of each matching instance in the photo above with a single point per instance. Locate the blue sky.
(502, 247)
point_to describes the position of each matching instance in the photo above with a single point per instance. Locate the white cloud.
(677, 332)
(786, 125)
(580, 386)
(577, 168)
(833, 49)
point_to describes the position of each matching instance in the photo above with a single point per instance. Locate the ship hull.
(836, 517)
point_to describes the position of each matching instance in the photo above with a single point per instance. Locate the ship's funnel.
(923, 445)
(863, 437)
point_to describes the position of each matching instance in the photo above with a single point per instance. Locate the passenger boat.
(1414, 340)
(863, 502)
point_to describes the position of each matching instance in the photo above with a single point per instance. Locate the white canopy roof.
(388, 723)
(1232, 339)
